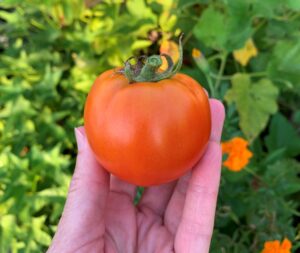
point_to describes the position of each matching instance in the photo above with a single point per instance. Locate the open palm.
(100, 216)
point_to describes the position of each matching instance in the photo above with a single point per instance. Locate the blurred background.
(244, 52)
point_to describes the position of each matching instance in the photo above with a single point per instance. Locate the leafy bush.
(245, 52)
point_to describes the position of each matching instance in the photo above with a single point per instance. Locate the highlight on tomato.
(147, 126)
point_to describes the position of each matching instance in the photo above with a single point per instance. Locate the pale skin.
(99, 214)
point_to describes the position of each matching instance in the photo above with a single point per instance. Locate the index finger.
(196, 226)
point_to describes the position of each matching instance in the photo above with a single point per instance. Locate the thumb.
(82, 217)
(90, 183)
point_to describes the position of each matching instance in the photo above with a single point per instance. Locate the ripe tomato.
(147, 133)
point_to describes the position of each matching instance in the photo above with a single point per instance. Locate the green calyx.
(146, 68)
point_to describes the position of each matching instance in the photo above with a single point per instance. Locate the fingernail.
(80, 137)
(218, 116)
(206, 92)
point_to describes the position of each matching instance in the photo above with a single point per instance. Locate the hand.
(99, 215)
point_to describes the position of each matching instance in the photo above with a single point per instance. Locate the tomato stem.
(146, 69)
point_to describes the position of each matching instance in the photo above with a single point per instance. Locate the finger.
(123, 188)
(152, 206)
(217, 119)
(82, 218)
(90, 182)
(196, 226)
(156, 198)
(206, 92)
(119, 205)
(175, 206)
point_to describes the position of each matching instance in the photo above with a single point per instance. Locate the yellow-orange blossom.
(170, 48)
(238, 153)
(244, 54)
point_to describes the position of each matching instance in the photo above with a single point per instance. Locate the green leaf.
(283, 134)
(279, 30)
(138, 8)
(226, 31)
(239, 24)
(186, 3)
(7, 227)
(203, 31)
(296, 116)
(274, 156)
(293, 4)
(39, 235)
(140, 44)
(282, 177)
(266, 8)
(255, 102)
(167, 21)
(12, 17)
(284, 65)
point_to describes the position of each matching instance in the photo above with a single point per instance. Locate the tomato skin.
(147, 133)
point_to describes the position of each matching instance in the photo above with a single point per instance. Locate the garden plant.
(245, 53)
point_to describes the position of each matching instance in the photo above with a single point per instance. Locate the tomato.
(147, 126)
(147, 133)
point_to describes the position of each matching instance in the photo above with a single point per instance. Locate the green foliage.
(285, 62)
(230, 30)
(262, 211)
(283, 136)
(51, 52)
(254, 101)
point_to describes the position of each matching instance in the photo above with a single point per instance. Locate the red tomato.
(147, 133)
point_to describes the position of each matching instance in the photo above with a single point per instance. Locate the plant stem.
(211, 86)
(221, 71)
(295, 16)
(250, 171)
(258, 74)
(213, 57)
(187, 37)
(213, 75)
(147, 70)
(259, 25)
(254, 74)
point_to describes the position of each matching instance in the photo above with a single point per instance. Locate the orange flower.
(238, 153)
(286, 246)
(276, 247)
(170, 48)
